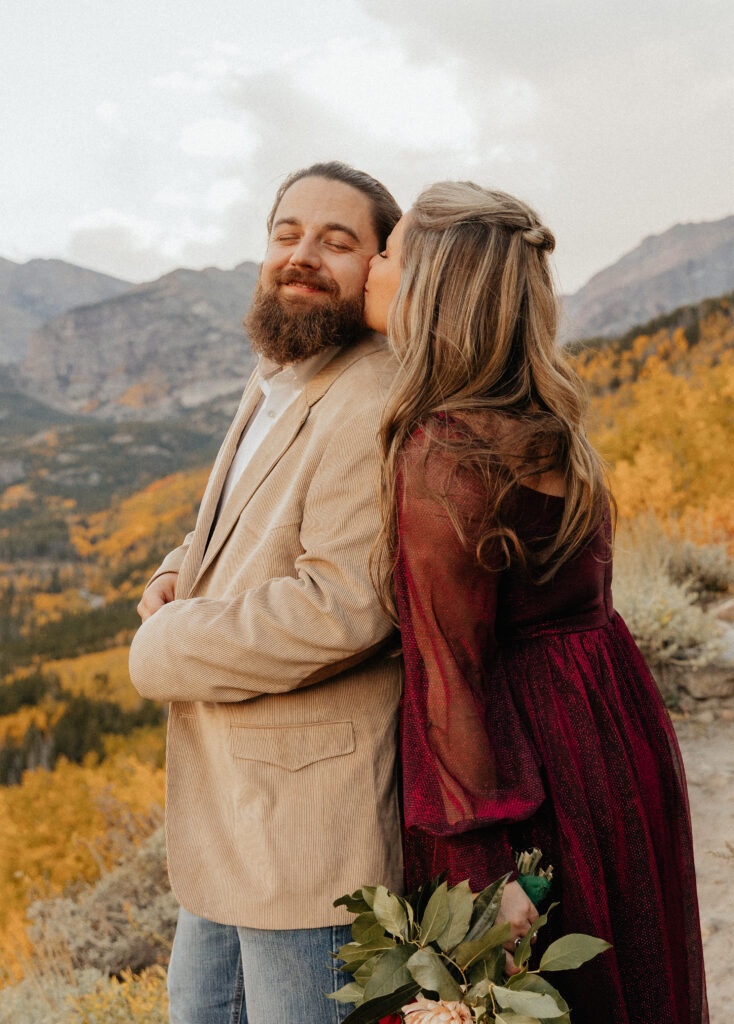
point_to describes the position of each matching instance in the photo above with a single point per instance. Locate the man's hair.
(385, 211)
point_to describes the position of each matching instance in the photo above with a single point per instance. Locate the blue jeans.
(220, 974)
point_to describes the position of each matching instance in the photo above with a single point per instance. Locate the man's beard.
(289, 333)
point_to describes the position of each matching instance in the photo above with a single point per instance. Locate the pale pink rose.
(425, 1011)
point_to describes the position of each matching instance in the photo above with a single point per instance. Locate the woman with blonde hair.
(529, 717)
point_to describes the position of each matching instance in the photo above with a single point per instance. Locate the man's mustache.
(311, 279)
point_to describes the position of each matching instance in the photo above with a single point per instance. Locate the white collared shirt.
(280, 386)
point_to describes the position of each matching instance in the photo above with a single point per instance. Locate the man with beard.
(264, 632)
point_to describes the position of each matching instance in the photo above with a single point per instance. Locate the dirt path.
(708, 754)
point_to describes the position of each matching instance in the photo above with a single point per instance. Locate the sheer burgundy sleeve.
(468, 766)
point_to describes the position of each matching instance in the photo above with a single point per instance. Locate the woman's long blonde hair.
(474, 327)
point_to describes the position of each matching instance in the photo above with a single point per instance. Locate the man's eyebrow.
(331, 226)
(342, 227)
(286, 220)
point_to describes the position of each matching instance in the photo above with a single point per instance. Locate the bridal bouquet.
(437, 957)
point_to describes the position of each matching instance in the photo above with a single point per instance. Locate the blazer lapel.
(320, 384)
(212, 494)
(278, 440)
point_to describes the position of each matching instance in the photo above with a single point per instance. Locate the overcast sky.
(141, 135)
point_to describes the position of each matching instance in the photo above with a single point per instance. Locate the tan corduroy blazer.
(281, 791)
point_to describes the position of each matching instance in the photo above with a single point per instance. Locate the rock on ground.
(708, 755)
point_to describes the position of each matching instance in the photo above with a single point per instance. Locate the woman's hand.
(517, 908)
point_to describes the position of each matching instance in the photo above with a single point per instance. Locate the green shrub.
(708, 568)
(124, 920)
(659, 584)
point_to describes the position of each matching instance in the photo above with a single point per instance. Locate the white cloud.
(228, 49)
(176, 198)
(215, 67)
(217, 198)
(107, 111)
(181, 82)
(116, 243)
(145, 231)
(218, 139)
(224, 193)
(610, 119)
(139, 249)
(606, 110)
(391, 97)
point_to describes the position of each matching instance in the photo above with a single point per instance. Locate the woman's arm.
(468, 766)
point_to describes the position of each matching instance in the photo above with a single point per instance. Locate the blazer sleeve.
(173, 560)
(289, 631)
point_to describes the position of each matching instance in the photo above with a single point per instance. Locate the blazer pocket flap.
(292, 746)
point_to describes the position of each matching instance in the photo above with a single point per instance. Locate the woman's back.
(529, 718)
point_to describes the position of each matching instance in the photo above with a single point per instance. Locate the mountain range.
(153, 352)
(685, 264)
(90, 344)
(33, 292)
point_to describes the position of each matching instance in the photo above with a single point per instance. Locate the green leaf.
(477, 991)
(373, 1010)
(355, 904)
(351, 993)
(357, 961)
(571, 951)
(390, 973)
(373, 933)
(522, 953)
(515, 980)
(534, 983)
(534, 1004)
(467, 952)
(375, 945)
(362, 925)
(389, 912)
(349, 952)
(515, 1018)
(419, 899)
(363, 974)
(358, 902)
(357, 953)
(436, 915)
(368, 894)
(461, 908)
(490, 965)
(486, 908)
(431, 973)
(408, 911)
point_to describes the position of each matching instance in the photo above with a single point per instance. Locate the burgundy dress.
(529, 718)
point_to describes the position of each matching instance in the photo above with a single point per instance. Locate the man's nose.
(306, 253)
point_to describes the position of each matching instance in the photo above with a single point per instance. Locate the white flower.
(425, 1011)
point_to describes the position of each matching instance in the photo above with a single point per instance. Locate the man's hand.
(159, 592)
(517, 908)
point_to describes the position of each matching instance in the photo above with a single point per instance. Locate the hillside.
(164, 348)
(662, 414)
(683, 265)
(33, 292)
(88, 507)
(155, 352)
